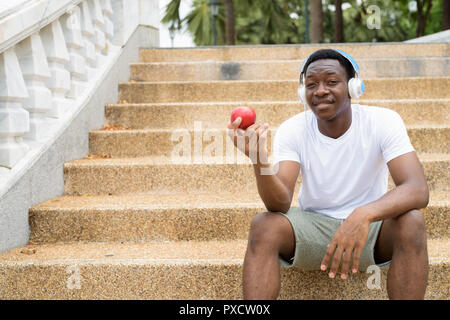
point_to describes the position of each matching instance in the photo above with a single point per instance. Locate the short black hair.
(330, 54)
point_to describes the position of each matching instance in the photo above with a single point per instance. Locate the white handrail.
(51, 53)
(29, 17)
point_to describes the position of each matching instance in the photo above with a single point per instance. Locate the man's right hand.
(252, 141)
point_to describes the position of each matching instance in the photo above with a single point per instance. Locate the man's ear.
(348, 92)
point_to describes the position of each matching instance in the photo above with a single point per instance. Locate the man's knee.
(410, 230)
(269, 229)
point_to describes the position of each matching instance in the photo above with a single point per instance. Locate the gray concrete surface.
(440, 37)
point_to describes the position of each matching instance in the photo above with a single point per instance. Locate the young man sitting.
(347, 219)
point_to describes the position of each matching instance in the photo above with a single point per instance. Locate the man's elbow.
(279, 207)
(422, 195)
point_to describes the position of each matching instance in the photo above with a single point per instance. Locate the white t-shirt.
(339, 175)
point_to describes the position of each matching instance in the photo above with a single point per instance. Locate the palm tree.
(229, 25)
(445, 14)
(172, 15)
(198, 21)
(200, 24)
(272, 18)
(338, 22)
(316, 16)
(423, 12)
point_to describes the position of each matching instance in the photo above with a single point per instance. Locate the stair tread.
(158, 252)
(203, 103)
(178, 200)
(290, 52)
(274, 61)
(164, 160)
(152, 201)
(184, 82)
(219, 251)
(149, 130)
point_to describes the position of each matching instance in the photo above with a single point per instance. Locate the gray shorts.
(313, 232)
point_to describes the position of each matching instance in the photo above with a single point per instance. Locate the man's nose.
(321, 89)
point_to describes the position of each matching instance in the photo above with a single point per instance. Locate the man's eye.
(332, 82)
(310, 85)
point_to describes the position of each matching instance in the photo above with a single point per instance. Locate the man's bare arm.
(275, 186)
(411, 191)
(276, 190)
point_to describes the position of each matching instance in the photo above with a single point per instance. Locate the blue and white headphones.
(355, 85)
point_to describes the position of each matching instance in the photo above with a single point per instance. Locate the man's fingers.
(253, 127)
(236, 123)
(327, 257)
(346, 263)
(234, 133)
(240, 132)
(263, 137)
(232, 127)
(356, 255)
(249, 140)
(240, 139)
(335, 262)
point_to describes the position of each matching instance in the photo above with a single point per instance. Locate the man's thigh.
(384, 244)
(313, 232)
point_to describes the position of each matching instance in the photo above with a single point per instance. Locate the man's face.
(326, 88)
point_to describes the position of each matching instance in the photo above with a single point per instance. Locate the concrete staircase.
(138, 223)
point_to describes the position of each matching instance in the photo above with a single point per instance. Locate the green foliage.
(173, 14)
(264, 21)
(282, 21)
(434, 23)
(394, 23)
(200, 23)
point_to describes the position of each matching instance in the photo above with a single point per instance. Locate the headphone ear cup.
(301, 92)
(355, 88)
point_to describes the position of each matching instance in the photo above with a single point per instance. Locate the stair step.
(159, 174)
(153, 217)
(175, 270)
(217, 114)
(144, 217)
(282, 69)
(280, 90)
(293, 52)
(162, 142)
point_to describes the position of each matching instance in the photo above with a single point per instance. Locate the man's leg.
(271, 236)
(403, 240)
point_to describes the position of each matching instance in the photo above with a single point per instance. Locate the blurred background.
(188, 23)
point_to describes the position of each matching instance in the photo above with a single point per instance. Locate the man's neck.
(337, 126)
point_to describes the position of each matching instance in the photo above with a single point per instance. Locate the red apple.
(247, 115)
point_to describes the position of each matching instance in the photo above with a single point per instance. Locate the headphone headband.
(342, 53)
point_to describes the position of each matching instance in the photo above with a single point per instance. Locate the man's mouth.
(325, 102)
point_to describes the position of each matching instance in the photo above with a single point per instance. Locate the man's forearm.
(272, 191)
(396, 202)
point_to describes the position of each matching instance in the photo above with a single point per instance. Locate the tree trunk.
(445, 14)
(423, 12)
(338, 22)
(229, 25)
(316, 16)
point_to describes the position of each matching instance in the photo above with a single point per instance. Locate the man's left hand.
(350, 238)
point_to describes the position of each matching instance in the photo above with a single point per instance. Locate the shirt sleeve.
(285, 146)
(394, 138)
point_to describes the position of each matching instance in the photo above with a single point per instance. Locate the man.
(347, 220)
